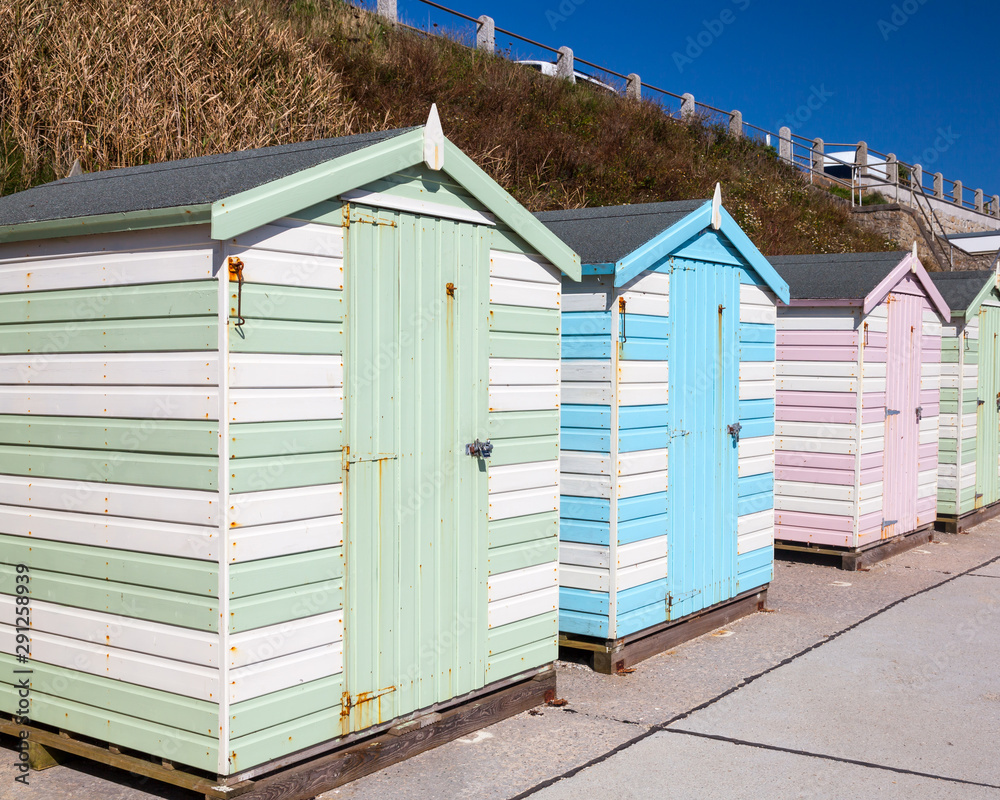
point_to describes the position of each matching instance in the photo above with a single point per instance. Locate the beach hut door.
(988, 421)
(416, 394)
(902, 415)
(703, 403)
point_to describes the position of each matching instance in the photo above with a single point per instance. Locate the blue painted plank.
(755, 559)
(757, 427)
(751, 278)
(637, 530)
(586, 508)
(646, 505)
(584, 416)
(587, 440)
(586, 323)
(585, 531)
(756, 409)
(643, 595)
(642, 326)
(663, 245)
(641, 618)
(754, 503)
(710, 246)
(630, 417)
(598, 269)
(588, 347)
(583, 624)
(632, 441)
(584, 600)
(757, 351)
(755, 484)
(636, 349)
(757, 332)
(755, 578)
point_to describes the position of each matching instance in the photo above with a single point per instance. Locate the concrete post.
(861, 159)
(486, 34)
(818, 156)
(979, 200)
(736, 124)
(939, 185)
(687, 106)
(917, 178)
(633, 88)
(891, 169)
(387, 9)
(785, 143)
(995, 205)
(564, 66)
(958, 195)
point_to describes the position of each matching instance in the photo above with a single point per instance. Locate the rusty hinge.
(671, 600)
(236, 274)
(621, 310)
(348, 702)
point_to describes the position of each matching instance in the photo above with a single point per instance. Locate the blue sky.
(920, 78)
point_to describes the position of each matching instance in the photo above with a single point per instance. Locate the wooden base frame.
(303, 781)
(853, 559)
(951, 524)
(609, 656)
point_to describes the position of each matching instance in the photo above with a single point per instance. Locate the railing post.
(892, 174)
(861, 159)
(633, 87)
(818, 156)
(785, 144)
(486, 34)
(564, 66)
(939, 185)
(995, 205)
(979, 200)
(387, 9)
(917, 178)
(736, 124)
(687, 106)
(957, 194)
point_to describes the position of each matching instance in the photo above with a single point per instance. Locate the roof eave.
(108, 223)
(910, 263)
(972, 309)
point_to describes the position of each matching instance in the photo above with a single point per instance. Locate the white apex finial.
(914, 248)
(717, 207)
(433, 140)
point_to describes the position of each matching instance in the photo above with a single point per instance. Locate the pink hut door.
(902, 415)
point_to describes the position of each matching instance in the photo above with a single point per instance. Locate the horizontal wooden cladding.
(285, 371)
(286, 471)
(820, 318)
(145, 403)
(524, 384)
(285, 505)
(186, 437)
(192, 369)
(521, 437)
(290, 253)
(523, 593)
(284, 336)
(287, 404)
(257, 439)
(522, 280)
(757, 305)
(163, 334)
(102, 269)
(260, 302)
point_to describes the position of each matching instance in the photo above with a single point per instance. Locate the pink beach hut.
(857, 403)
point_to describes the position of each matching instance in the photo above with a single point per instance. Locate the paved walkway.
(883, 682)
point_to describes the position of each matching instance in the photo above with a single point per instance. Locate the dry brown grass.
(122, 82)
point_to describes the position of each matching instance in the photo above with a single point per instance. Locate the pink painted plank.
(930, 409)
(789, 458)
(873, 414)
(871, 476)
(872, 460)
(869, 536)
(804, 519)
(818, 399)
(908, 285)
(875, 355)
(794, 533)
(846, 416)
(812, 301)
(927, 503)
(875, 339)
(873, 400)
(932, 356)
(868, 521)
(817, 338)
(928, 450)
(930, 397)
(835, 477)
(927, 463)
(816, 353)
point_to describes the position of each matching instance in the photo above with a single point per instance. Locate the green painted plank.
(535, 654)
(284, 336)
(946, 495)
(171, 710)
(326, 212)
(949, 395)
(285, 705)
(102, 563)
(952, 357)
(968, 455)
(272, 574)
(525, 450)
(523, 345)
(267, 745)
(516, 530)
(181, 437)
(256, 439)
(970, 405)
(112, 336)
(264, 301)
(523, 424)
(187, 299)
(946, 508)
(139, 469)
(143, 735)
(503, 239)
(525, 554)
(523, 632)
(425, 191)
(270, 608)
(137, 602)
(947, 445)
(107, 223)
(520, 319)
(285, 472)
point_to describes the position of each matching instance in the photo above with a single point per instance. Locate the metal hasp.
(888, 523)
(734, 431)
(236, 274)
(891, 412)
(920, 413)
(480, 449)
(998, 401)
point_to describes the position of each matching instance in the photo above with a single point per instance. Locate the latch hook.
(236, 273)
(734, 431)
(480, 449)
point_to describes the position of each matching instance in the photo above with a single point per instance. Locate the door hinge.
(672, 601)
(888, 522)
(675, 434)
(891, 412)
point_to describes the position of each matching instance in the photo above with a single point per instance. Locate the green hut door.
(416, 393)
(988, 416)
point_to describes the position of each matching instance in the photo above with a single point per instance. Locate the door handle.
(734, 431)
(478, 449)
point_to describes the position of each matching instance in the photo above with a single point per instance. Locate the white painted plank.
(524, 502)
(137, 402)
(290, 269)
(633, 372)
(584, 555)
(263, 678)
(755, 446)
(643, 394)
(818, 384)
(524, 398)
(269, 371)
(585, 485)
(523, 606)
(757, 370)
(638, 574)
(817, 319)
(506, 292)
(814, 505)
(800, 444)
(642, 461)
(587, 394)
(514, 477)
(820, 491)
(757, 390)
(642, 551)
(295, 236)
(285, 538)
(285, 505)
(650, 283)
(520, 267)
(870, 491)
(524, 371)
(412, 205)
(752, 523)
(646, 303)
(171, 240)
(755, 541)
(586, 371)
(593, 579)
(584, 301)
(285, 638)
(759, 465)
(819, 430)
(818, 369)
(584, 463)
(758, 315)
(104, 369)
(522, 581)
(646, 483)
(279, 405)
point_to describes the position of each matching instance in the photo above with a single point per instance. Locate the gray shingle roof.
(607, 234)
(849, 276)
(188, 182)
(959, 289)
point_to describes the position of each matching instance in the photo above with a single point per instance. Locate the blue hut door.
(702, 405)
(415, 502)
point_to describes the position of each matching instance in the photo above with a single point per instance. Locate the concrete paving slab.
(914, 688)
(993, 570)
(686, 768)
